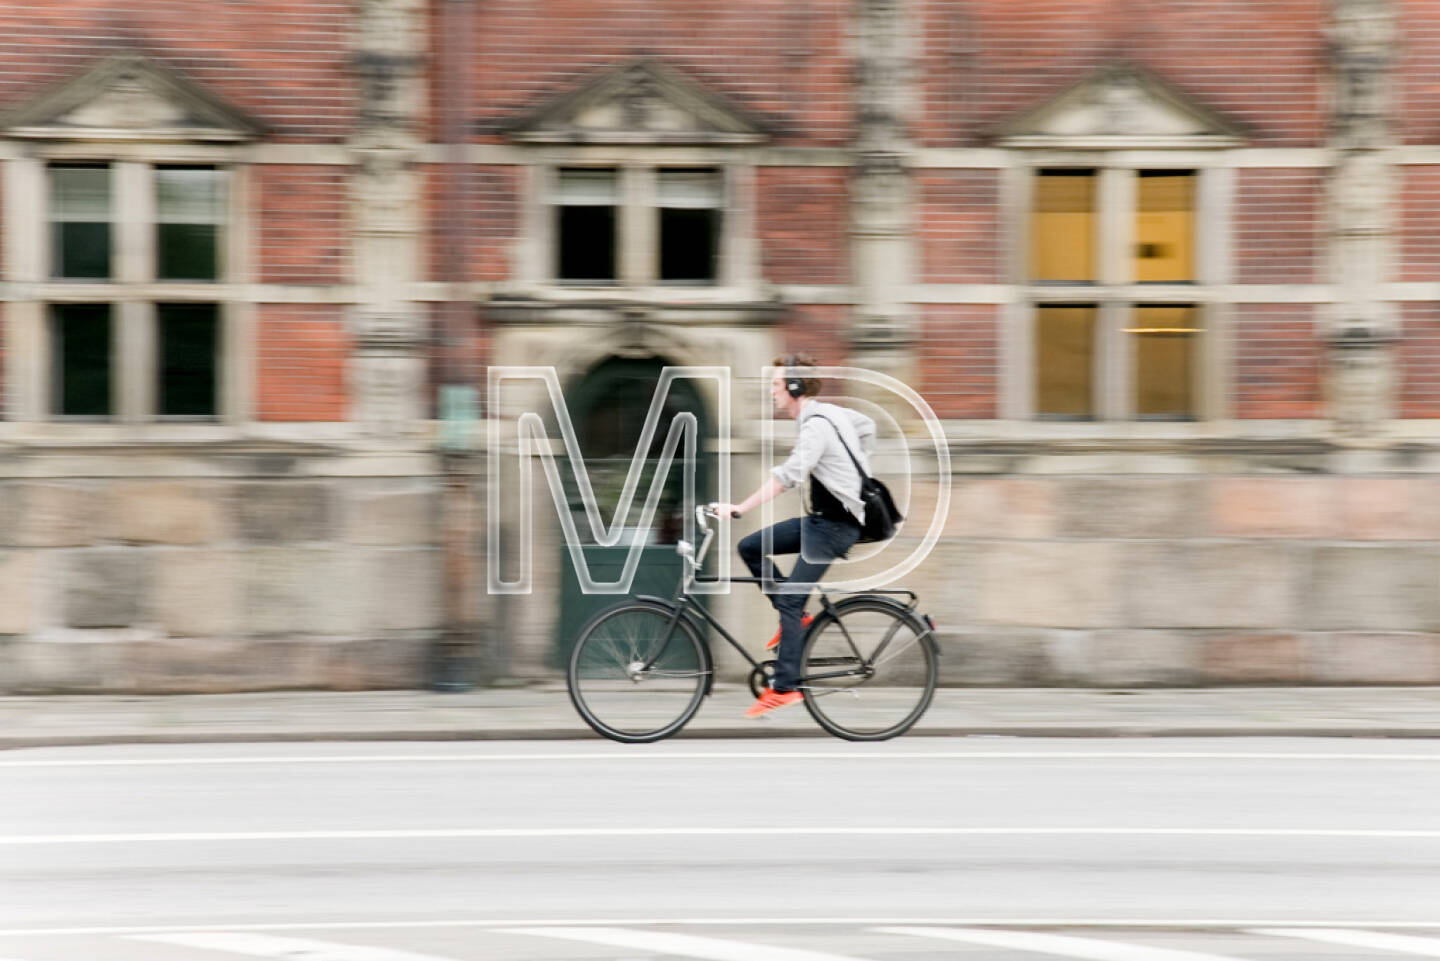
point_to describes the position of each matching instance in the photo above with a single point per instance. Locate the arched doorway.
(608, 406)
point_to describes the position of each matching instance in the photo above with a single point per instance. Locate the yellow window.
(1062, 227)
(1165, 227)
(1065, 361)
(1167, 339)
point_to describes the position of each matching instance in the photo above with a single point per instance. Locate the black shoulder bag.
(881, 516)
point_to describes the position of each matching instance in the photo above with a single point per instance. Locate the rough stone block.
(1274, 507)
(1372, 658)
(395, 661)
(1048, 584)
(1210, 585)
(1372, 588)
(41, 514)
(1150, 507)
(996, 657)
(104, 587)
(68, 664)
(1002, 507)
(1389, 508)
(209, 665)
(403, 590)
(1252, 658)
(283, 512)
(165, 512)
(1141, 658)
(17, 591)
(392, 518)
(301, 591)
(196, 593)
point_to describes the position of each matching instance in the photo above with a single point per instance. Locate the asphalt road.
(589, 850)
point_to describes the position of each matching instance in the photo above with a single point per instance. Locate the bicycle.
(640, 670)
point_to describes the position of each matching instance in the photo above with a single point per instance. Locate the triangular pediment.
(642, 102)
(1120, 106)
(129, 98)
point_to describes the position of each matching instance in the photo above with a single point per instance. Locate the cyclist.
(829, 527)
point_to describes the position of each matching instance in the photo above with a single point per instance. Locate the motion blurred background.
(1166, 271)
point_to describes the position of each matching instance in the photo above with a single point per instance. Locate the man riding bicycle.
(829, 528)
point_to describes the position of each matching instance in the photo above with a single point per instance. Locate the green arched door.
(608, 406)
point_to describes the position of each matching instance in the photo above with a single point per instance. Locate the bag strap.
(853, 459)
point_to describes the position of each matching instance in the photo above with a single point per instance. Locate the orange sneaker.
(774, 642)
(770, 700)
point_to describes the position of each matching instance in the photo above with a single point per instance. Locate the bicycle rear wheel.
(613, 690)
(870, 674)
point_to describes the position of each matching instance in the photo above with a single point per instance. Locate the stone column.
(1363, 326)
(883, 332)
(388, 363)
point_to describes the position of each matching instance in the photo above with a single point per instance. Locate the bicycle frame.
(683, 603)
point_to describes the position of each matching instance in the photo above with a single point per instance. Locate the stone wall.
(217, 573)
(1084, 570)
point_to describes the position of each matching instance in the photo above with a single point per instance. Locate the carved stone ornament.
(130, 98)
(388, 331)
(387, 392)
(641, 102)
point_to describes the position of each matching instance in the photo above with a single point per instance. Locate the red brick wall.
(282, 61)
(959, 228)
(301, 355)
(304, 223)
(1419, 80)
(820, 330)
(1278, 358)
(486, 224)
(1419, 360)
(1256, 62)
(802, 218)
(784, 60)
(1279, 220)
(1419, 213)
(958, 359)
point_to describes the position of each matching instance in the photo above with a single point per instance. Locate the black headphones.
(794, 386)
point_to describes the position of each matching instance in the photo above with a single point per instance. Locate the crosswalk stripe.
(1404, 943)
(682, 945)
(292, 949)
(1059, 944)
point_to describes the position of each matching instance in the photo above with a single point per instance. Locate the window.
(586, 226)
(638, 225)
(1062, 232)
(81, 334)
(120, 356)
(80, 218)
(1131, 348)
(690, 202)
(189, 217)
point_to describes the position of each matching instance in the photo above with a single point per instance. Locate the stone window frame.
(637, 251)
(133, 291)
(1114, 292)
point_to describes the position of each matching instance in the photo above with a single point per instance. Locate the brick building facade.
(1165, 271)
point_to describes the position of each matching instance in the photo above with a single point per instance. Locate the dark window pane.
(587, 243)
(189, 338)
(82, 250)
(688, 244)
(190, 207)
(82, 359)
(80, 222)
(187, 251)
(1064, 362)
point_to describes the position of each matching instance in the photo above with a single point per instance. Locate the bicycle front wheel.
(634, 676)
(869, 674)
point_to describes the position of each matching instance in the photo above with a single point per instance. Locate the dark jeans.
(823, 541)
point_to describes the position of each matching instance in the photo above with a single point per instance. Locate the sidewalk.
(545, 712)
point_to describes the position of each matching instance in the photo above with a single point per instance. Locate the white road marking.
(1159, 924)
(719, 755)
(35, 840)
(1059, 944)
(1406, 944)
(682, 945)
(297, 949)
